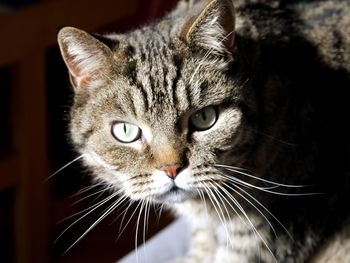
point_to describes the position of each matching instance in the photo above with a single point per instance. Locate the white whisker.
(216, 205)
(103, 216)
(259, 203)
(81, 218)
(64, 167)
(86, 209)
(233, 169)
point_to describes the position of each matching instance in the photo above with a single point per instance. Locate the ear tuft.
(86, 58)
(212, 30)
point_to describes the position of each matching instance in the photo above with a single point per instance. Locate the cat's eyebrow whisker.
(235, 170)
(64, 167)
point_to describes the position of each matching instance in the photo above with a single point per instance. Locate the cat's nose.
(171, 170)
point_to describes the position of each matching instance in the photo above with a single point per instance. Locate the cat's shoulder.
(336, 249)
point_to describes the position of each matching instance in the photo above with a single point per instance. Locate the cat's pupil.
(125, 129)
(204, 116)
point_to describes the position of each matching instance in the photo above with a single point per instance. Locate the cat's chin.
(174, 195)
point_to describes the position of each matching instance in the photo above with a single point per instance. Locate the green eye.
(204, 119)
(126, 132)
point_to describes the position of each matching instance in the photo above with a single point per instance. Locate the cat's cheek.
(91, 158)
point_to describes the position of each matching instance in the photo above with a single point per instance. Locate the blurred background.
(35, 96)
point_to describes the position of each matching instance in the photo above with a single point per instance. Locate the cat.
(233, 114)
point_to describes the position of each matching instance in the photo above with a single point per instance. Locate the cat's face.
(153, 115)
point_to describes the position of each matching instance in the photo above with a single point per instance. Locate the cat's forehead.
(162, 81)
(153, 71)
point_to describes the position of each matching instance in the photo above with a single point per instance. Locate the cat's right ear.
(211, 29)
(87, 59)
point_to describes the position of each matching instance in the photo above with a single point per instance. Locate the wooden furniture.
(25, 37)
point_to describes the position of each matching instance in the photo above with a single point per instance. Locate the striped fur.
(278, 76)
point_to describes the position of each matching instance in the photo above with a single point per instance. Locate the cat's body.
(210, 88)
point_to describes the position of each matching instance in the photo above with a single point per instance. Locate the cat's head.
(155, 110)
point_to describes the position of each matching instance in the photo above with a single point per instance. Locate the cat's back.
(326, 24)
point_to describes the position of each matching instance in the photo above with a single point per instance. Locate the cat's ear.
(87, 59)
(212, 29)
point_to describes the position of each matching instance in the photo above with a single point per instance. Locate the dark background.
(35, 95)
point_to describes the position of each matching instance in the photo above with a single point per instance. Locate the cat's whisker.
(201, 195)
(145, 223)
(254, 206)
(88, 188)
(137, 228)
(99, 193)
(109, 210)
(252, 225)
(94, 207)
(264, 189)
(264, 207)
(84, 210)
(217, 207)
(233, 200)
(64, 167)
(271, 137)
(228, 195)
(124, 203)
(121, 228)
(235, 170)
(159, 211)
(246, 216)
(221, 197)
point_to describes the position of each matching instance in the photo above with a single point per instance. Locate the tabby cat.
(233, 114)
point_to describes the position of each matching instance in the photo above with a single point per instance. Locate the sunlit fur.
(268, 181)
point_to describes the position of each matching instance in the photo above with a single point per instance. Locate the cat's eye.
(204, 119)
(126, 132)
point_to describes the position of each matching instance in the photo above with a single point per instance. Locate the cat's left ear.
(88, 59)
(212, 29)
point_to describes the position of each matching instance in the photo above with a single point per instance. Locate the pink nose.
(171, 169)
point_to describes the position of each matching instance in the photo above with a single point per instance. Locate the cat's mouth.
(174, 195)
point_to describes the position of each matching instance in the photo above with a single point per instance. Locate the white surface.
(170, 243)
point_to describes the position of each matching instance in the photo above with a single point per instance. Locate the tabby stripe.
(132, 107)
(177, 61)
(141, 88)
(131, 72)
(188, 95)
(87, 134)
